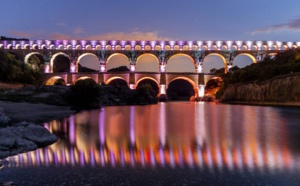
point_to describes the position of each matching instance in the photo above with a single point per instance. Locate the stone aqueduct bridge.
(164, 56)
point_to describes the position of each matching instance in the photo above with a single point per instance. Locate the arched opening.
(56, 80)
(185, 47)
(213, 62)
(82, 78)
(147, 47)
(60, 47)
(18, 46)
(147, 63)
(167, 47)
(137, 47)
(152, 82)
(180, 63)
(118, 47)
(127, 47)
(243, 60)
(181, 89)
(35, 60)
(88, 62)
(117, 60)
(117, 82)
(88, 47)
(60, 62)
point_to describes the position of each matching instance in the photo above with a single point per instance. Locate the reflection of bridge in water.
(98, 139)
(158, 61)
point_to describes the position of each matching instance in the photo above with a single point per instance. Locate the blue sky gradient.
(151, 20)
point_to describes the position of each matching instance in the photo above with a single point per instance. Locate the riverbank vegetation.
(13, 70)
(283, 63)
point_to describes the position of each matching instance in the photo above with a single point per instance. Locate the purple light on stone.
(132, 126)
(123, 43)
(55, 158)
(172, 161)
(65, 42)
(72, 131)
(101, 125)
(290, 44)
(74, 42)
(81, 158)
(113, 42)
(112, 159)
(142, 155)
(92, 158)
(37, 155)
(122, 158)
(72, 158)
(199, 43)
(162, 157)
(93, 43)
(102, 156)
(143, 43)
(152, 158)
(200, 158)
(172, 43)
(132, 162)
(152, 43)
(133, 43)
(190, 44)
(181, 163)
(103, 43)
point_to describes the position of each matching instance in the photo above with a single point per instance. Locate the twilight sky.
(151, 19)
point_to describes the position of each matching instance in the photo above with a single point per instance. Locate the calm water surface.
(180, 143)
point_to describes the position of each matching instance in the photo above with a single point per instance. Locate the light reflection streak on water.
(209, 143)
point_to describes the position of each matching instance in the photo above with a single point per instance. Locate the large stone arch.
(88, 60)
(186, 79)
(243, 60)
(214, 61)
(147, 63)
(108, 81)
(35, 66)
(149, 78)
(181, 63)
(54, 80)
(117, 60)
(53, 58)
(29, 55)
(82, 78)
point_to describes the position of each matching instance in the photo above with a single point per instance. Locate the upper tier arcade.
(147, 45)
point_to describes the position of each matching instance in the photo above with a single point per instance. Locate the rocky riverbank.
(20, 126)
(281, 90)
(23, 110)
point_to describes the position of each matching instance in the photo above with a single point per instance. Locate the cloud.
(60, 36)
(135, 35)
(293, 25)
(78, 31)
(20, 34)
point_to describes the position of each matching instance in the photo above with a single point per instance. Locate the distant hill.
(11, 38)
(85, 69)
(119, 69)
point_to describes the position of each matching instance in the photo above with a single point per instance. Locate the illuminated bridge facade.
(159, 61)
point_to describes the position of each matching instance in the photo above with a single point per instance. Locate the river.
(175, 143)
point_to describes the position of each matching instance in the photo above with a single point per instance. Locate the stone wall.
(281, 90)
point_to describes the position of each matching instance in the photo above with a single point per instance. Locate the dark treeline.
(13, 70)
(283, 63)
(10, 38)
